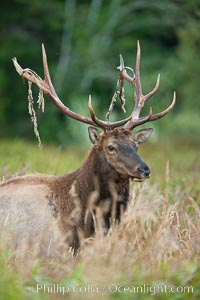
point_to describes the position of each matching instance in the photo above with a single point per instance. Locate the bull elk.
(47, 208)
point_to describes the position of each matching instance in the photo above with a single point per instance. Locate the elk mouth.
(137, 178)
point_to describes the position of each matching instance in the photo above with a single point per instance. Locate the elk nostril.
(147, 171)
(144, 171)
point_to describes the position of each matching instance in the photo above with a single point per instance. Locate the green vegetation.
(157, 243)
(83, 40)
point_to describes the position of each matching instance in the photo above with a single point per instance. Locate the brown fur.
(67, 204)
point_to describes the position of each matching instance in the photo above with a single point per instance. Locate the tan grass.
(159, 229)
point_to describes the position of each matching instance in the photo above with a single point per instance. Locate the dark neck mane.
(97, 173)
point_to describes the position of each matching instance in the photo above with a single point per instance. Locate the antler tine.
(141, 99)
(47, 77)
(121, 63)
(151, 93)
(164, 112)
(138, 88)
(92, 114)
(123, 72)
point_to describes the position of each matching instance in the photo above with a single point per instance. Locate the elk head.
(118, 145)
(119, 149)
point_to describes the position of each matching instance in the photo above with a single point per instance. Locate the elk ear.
(142, 135)
(93, 135)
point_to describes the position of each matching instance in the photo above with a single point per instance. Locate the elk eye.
(111, 148)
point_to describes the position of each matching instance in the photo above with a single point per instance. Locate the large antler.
(140, 99)
(47, 87)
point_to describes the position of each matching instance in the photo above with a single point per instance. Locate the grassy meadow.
(153, 253)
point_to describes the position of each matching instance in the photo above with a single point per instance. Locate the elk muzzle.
(139, 170)
(144, 171)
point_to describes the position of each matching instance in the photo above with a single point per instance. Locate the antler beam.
(141, 99)
(47, 87)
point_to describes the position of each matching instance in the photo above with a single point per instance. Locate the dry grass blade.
(149, 226)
